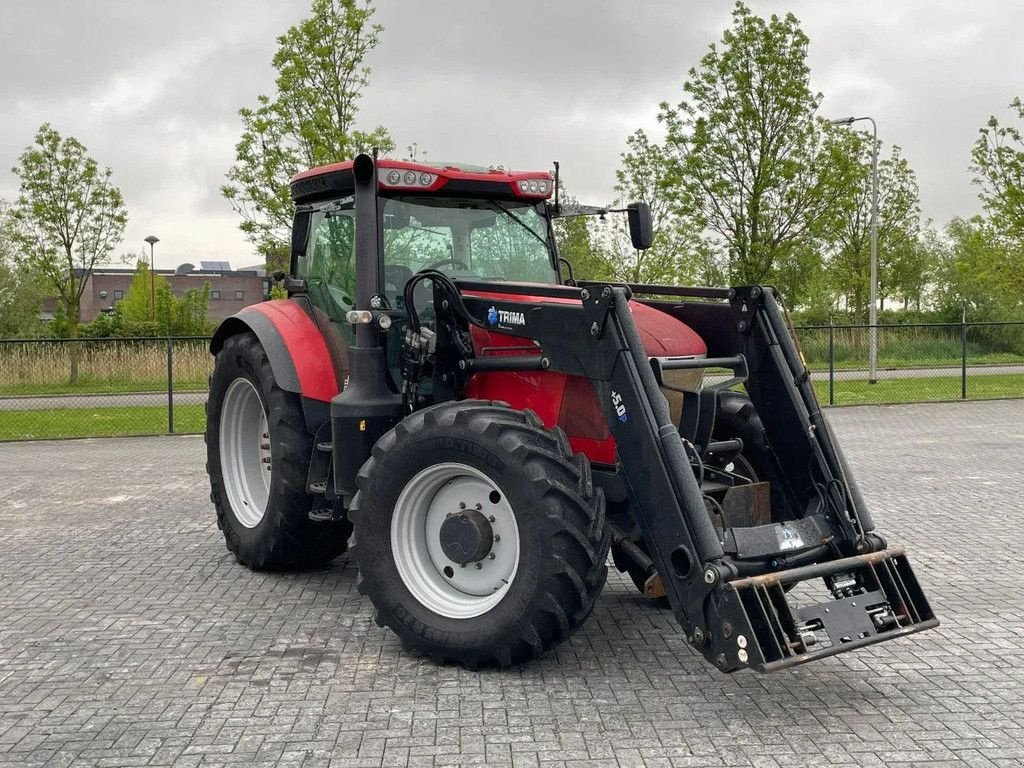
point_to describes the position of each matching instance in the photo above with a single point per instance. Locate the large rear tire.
(257, 456)
(530, 562)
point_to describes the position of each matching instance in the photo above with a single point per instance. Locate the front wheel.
(480, 537)
(257, 456)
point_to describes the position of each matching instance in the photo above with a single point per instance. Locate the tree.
(310, 121)
(575, 239)
(20, 287)
(902, 268)
(750, 165)
(979, 268)
(68, 217)
(998, 166)
(184, 315)
(678, 255)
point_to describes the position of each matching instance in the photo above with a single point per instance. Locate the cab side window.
(328, 265)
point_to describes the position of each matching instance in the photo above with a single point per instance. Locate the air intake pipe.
(367, 407)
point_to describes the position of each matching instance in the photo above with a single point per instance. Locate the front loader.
(492, 429)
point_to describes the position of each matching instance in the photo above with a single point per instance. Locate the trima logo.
(497, 316)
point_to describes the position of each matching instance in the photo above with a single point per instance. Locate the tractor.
(488, 430)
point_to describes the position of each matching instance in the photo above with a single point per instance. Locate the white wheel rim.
(245, 452)
(438, 583)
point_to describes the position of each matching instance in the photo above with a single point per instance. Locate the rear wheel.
(258, 450)
(480, 538)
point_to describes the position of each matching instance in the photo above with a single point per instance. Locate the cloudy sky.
(153, 88)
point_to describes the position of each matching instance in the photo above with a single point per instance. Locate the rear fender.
(295, 346)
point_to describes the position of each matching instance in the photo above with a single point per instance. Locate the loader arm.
(727, 587)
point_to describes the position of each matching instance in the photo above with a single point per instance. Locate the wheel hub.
(455, 540)
(466, 536)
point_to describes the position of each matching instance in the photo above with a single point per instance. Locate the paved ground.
(128, 636)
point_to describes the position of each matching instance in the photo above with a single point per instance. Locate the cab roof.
(404, 176)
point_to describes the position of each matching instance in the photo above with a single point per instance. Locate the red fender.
(294, 345)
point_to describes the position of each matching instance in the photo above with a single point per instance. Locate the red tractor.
(489, 428)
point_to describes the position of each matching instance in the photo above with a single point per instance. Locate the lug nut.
(497, 536)
(491, 556)
(489, 519)
(479, 566)
(462, 505)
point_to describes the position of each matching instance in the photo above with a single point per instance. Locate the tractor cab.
(465, 221)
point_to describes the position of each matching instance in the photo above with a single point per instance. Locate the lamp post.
(873, 290)
(152, 240)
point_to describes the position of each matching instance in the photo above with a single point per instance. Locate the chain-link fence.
(915, 362)
(56, 388)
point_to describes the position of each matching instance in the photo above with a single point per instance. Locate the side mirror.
(641, 225)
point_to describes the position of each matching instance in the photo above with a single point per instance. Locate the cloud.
(153, 89)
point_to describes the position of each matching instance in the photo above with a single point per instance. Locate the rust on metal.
(654, 588)
(818, 569)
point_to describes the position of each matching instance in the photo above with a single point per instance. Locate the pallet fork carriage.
(483, 527)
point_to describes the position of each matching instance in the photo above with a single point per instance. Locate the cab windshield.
(488, 239)
(485, 239)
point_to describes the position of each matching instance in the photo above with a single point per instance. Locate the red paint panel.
(448, 173)
(566, 400)
(305, 344)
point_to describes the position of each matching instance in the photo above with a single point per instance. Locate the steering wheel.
(454, 262)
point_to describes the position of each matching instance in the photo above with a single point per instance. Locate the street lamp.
(873, 309)
(152, 240)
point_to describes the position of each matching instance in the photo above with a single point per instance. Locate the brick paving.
(129, 636)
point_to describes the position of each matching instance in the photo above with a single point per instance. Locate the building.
(230, 290)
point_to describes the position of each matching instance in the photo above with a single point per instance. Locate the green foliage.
(309, 122)
(998, 166)
(105, 324)
(575, 240)
(678, 255)
(184, 315)
(68, 216)
(978, 267)
(137, 305)
(903, 267)
(749, 163)
(21, 290)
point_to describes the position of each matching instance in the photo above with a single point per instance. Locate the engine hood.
(662, 334)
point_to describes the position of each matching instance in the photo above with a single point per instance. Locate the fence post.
(170, 386)
(831, 361)
(963, 354)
